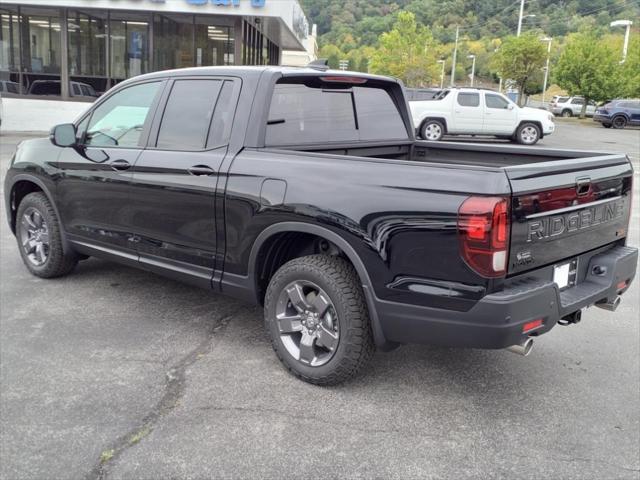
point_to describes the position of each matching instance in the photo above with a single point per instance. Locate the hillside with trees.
(405, 38)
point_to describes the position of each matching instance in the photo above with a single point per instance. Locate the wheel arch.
(21, 186)
(537, 123)
(267, 235)
(620, 114)
(433, 117)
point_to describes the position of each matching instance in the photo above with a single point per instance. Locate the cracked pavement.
(114, 373)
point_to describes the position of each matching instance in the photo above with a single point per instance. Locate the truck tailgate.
(563, 208)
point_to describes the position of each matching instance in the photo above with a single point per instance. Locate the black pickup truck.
(304, 190)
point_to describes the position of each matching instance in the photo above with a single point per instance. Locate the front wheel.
(39, 238)
(317, 319)
(432, 130)
(528, 134)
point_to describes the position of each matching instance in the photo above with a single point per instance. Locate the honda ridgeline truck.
(304, 190)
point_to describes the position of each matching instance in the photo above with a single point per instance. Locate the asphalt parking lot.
(116, 373)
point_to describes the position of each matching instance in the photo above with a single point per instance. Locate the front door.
(467, 113)
(500, 115)
(95, 176)
(175, 180)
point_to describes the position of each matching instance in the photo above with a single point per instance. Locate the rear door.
(467, 113)
(500, 115)
(564, 208)
(175, 180)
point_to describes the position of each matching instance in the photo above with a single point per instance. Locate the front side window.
(118, 121)
(468, 99)
(310, 114)
(188, 114)
(496, 101)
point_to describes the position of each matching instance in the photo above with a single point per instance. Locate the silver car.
(571, 106)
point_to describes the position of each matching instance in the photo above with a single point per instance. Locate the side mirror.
(511, 106)
(63, 135)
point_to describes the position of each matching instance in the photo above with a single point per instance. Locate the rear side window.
(577, 101)
(188, 114)
(302, 114)
(562, 99)
(468, 99)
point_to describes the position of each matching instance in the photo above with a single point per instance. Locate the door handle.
(199, 170)
(120, 165)
(458, 111)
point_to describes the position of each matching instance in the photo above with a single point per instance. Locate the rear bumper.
(599, 117)
(497, 320)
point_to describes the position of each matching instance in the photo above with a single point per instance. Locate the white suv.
(471, 111)
(571, 106)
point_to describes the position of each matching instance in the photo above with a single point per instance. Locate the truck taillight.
(483, 226)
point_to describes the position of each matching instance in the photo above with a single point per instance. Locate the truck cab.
(473, 111)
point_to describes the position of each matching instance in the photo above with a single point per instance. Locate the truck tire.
(606, 125)
(432, 130)
(619, 122)
(316, 316)
(566, 113)
(39, 238)
(528, 134)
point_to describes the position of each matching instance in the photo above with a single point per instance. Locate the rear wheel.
(39, 238)
(619, 122)
(528, 134)
(567, 113)
(317, 319)
(432, 130)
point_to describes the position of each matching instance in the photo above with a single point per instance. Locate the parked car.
(472, 111)
(618, 113)
(7, 86)
(52, 87)
(571, 107)
(305, 191)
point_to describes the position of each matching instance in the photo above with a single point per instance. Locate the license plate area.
(565, 275)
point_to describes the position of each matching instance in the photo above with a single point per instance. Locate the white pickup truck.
(473, 111)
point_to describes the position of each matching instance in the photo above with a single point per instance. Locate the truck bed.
(457, 153)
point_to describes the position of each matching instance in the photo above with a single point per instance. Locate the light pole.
(473, 67)
(623, 23)
(442, 74)
(546, 68)
(455, 56)
(521, 16)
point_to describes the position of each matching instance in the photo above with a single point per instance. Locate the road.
(116, 373)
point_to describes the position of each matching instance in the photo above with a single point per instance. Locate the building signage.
(227, 3)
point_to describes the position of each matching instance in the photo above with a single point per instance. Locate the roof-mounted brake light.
(344, 79)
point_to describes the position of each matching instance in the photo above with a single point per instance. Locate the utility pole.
(546, 68)
(473, 68)
(442, 74)
(455, 56)
(520, 17)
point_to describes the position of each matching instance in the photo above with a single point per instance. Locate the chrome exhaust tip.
(523, 349)
(610, 306)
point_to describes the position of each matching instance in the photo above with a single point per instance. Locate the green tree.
(589, 67)
(407, 52)
(520, 59)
